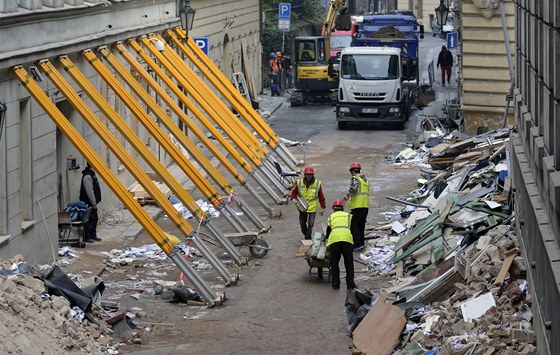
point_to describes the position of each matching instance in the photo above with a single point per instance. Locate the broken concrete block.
(523, 336)
(59, 303)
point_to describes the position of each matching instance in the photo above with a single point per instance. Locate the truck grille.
(370, 96)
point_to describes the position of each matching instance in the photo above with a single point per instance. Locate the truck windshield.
(369, 67)
(341, 41)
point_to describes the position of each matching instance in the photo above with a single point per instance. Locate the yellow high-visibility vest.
(339, 222)
(360, 199)
(310, 194)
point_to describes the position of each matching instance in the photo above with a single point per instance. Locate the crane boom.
(336, 12)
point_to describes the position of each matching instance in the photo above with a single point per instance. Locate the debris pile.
(460, 283)
(36, 321)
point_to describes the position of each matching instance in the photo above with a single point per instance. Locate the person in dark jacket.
(445, 60)
(90, 193)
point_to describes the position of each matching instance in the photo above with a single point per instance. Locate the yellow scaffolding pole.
(207, 100)
(162, 116)
(112, 182)
(224, 86)
(212, 98)
(188, 168)
(254, 119)
(138, 146)
(200, 117)
(172, 104)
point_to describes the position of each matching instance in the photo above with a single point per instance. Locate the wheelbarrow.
(258, 247)
(319, 264)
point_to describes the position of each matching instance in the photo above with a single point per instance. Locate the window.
(369, 67)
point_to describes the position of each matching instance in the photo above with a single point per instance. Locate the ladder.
(240, 84)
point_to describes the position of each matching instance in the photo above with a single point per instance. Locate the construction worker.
(310, 190)
(340, 243)
(280, 70)
(274, 72)
(90, 193)
(307, 54)
(358, 194)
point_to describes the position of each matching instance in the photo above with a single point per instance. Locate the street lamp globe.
(441, 13)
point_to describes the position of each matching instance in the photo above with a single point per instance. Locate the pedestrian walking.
(445, 61)
(90, 193)
(309, 189)
(358, 197)
(273, 67)
(340, 243)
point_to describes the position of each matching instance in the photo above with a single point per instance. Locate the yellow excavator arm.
(336, 14)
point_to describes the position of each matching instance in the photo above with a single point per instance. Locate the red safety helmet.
(355, 166)
(309, 170)
(337, 203)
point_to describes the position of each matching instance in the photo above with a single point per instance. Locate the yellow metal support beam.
(202, 96)
(184, 164)
(212, 98)
(191, 107)
(110, 179)
(172, 104)
(162, 116)
(120, 152)
(224, 86)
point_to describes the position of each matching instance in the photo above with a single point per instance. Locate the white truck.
(370, 87)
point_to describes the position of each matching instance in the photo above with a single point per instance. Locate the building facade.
(40, 170)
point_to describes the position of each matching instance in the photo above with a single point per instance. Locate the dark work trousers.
(306, 222)
(90, 227)
(345, 250)
(358, 225)
(445, 69)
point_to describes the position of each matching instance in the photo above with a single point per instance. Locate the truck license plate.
(369, 110)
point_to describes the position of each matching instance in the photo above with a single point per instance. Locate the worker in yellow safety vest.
(340, 243)
(358, 194)
(310, 190)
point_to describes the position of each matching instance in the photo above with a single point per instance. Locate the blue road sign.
(202, 43)
(452, 40)
(284, 10)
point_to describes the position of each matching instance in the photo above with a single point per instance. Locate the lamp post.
(186, 14)
(3, 108)
(441, 15)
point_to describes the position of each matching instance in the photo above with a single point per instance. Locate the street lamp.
(186, 14)
(3, 108)
(441, 14)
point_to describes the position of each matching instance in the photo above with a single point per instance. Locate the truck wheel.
(341, 125)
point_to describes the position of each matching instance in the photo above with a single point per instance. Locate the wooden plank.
(399, 272)
(370, 338)
(510, 255)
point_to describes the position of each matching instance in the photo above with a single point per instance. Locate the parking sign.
(202, 43)
(284, 10)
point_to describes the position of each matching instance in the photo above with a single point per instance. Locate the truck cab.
(370, 87)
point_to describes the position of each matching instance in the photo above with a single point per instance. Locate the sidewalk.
(128, 227)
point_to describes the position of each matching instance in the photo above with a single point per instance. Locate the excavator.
(312, 57)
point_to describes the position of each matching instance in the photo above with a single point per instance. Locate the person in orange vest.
(340, 243)
(310, 190)
(273, 66)
(358, 196)
(280, 69)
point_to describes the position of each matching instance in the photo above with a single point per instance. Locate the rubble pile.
(35, 322)
(460, 282)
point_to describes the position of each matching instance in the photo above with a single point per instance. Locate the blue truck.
(377, 83)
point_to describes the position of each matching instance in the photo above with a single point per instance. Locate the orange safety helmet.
(278, 54)
(337, 203)
(309, 170)
(355, 166)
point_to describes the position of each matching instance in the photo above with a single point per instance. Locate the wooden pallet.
(143, 197)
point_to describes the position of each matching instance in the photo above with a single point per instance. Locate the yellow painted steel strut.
(218, 178)
(224, 86)
(110, 179)
(186, 166)
(212, 98)
(202, 96)
(121, 153)
(192, 108)
(171, 103)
